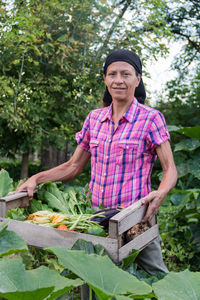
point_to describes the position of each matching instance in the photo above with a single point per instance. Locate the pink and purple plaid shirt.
(122, 160)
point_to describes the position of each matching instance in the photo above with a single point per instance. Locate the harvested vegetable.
(63, 227)
(135, 231)
(57, 218)
(106, 214)
(69, 200)
(55, 205)
(81, 222)
(96, 230)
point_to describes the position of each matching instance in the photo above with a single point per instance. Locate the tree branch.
(111, 30)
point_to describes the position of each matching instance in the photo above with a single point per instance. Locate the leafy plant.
(179, 227)
(18, 283)
(106, 279)
(10, 242)
(64, 198)
(5, 183)
(180, 286)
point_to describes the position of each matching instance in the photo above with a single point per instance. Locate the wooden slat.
(13, 201)
(14, 196)
(2, 209)
(44, 237)
(126, 219)
(139, 243)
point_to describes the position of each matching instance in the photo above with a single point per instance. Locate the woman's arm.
(63, 172)
(155, 198)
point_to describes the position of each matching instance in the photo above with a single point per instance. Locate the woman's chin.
(120, 99)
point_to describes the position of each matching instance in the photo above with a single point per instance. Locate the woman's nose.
(118, 78)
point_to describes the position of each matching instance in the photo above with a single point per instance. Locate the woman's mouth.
(118, 89)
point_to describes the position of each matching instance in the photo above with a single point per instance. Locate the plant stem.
(90, 293)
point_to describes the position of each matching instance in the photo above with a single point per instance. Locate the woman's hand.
(153, 200)
(28, 186)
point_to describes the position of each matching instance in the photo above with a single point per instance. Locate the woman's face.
(121, 81)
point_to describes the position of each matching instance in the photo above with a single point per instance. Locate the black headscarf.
(132, 59)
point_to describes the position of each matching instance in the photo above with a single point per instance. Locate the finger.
(144, 201)
(151, 211)
(30, 192)
(20, 189)
(148, 198)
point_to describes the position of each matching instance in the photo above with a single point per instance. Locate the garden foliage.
(179, 214)
(106, 279)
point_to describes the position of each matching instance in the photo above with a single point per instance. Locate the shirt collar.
(108, 113)
(129, 114)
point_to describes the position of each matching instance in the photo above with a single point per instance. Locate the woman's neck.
(118, 110)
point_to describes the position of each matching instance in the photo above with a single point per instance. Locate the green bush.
(13, 167)
(179, 228)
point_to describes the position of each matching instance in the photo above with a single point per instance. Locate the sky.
(160, 73)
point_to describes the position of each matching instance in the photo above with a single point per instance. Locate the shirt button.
(107, 156)
(104, 174)
(110, 141)
(102, 190)
(127, 147)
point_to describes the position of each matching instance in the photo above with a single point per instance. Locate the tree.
(182, 18)
(51, 59)
(181, 101)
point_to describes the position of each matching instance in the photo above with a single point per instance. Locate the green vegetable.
(96, 230)
(37, 205)
(18, 214)
(69, 200)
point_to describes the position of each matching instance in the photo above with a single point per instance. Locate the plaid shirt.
(122, 160)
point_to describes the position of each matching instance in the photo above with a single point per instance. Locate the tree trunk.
(24, 167)
(51, 157)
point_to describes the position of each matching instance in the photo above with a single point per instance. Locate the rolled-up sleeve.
(83, 136)
(158, 132)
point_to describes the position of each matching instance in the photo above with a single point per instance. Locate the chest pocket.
(127, 152)
(94, 150)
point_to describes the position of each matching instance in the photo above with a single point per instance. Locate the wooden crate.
(43, 237)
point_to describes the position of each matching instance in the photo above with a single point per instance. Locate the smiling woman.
(121, 80)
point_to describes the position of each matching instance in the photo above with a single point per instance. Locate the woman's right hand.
(28, 186)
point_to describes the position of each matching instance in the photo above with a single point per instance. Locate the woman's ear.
(138, 78)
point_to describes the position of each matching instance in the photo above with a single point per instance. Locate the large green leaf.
(54, 202)
(178, 286)
(5, 183)
(192, 132)
(173, 128)
(10, 242)
(187, 145)
(50, 193)
(128, 261)
(88, 247)
(101, 274)
(192, 166)
(16, 283)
